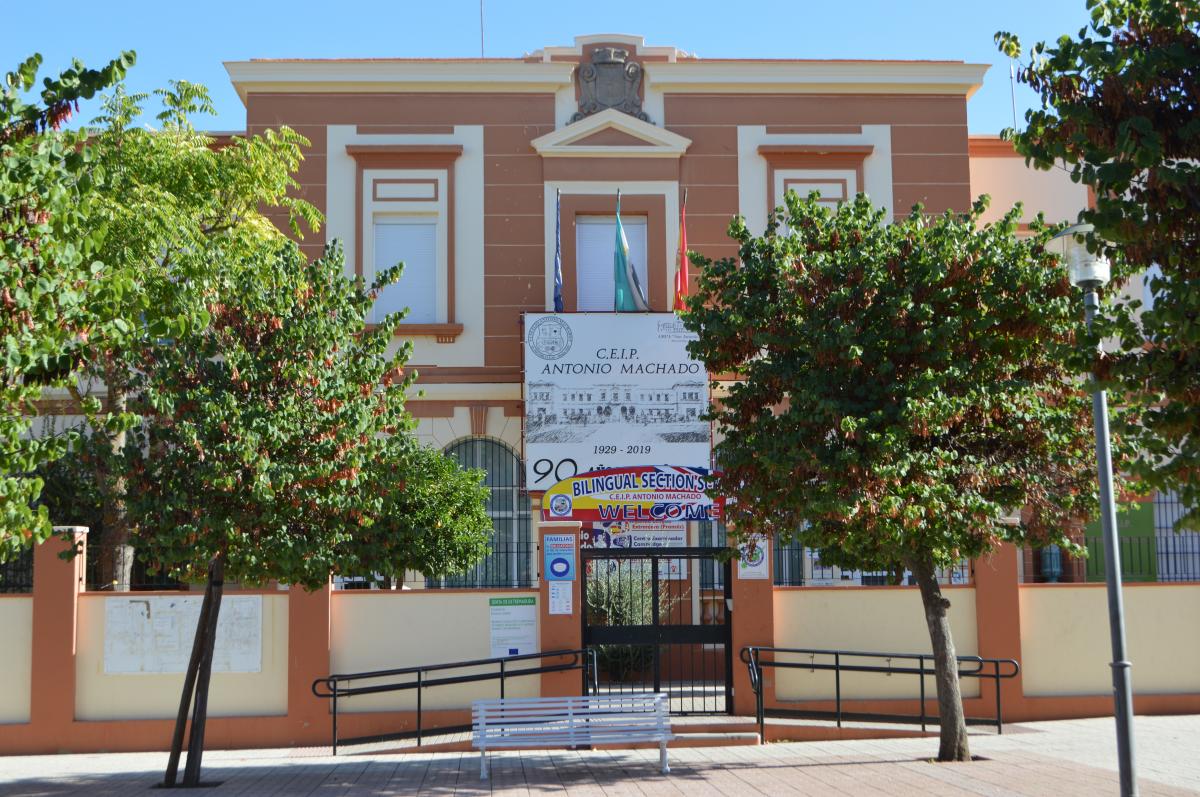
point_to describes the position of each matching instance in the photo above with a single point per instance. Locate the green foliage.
(175, 209)
(1119, 107)
(48, 267)
(279, 439)
(901, 387)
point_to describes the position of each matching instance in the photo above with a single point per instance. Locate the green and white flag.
(628, 296)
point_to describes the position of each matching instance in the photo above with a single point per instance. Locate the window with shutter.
(411, 240)
(595, 245)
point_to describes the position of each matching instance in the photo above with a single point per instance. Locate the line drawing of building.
(675, 411)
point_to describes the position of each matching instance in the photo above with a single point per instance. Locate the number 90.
(544, 468)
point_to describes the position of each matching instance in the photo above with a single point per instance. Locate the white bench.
(570, 721)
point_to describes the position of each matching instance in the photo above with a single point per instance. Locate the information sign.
(558, 557)
(603, 391)
(637, 493)
(513, 625)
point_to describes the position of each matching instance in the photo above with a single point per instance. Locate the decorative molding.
(408, 156)
(781, 151)
(636, 43)
(391, 156)
(816, 77)
(659, 143)
(478, 419)
(443, 333)
(378, 196)
(395, 75)
(457, 375)
(444, 408)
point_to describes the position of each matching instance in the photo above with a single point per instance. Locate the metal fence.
(712, 535)
(798, 566)
(1176, 552)
(103, 573)
(16, 575)
(1163, 555)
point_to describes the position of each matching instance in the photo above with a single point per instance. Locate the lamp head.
(1088, 270)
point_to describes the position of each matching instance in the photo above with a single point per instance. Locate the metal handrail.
(330, 687)
(752, 657)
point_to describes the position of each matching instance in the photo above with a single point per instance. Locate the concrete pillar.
(998, 615)
(560, 631)
(753, 624)
(309, 622)
(57, 583)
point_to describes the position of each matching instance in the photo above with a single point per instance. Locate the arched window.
(510, 563)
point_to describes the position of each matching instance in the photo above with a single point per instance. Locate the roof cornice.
(302, 76)
(816, 77)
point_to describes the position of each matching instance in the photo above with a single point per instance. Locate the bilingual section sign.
(606, 390)
(654, 493)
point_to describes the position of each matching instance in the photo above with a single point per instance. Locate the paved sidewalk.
(1076, 757)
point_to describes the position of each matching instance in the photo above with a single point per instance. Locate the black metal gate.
(658, 619)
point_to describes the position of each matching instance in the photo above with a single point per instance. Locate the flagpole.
(558, 276)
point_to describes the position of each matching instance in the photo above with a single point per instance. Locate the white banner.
(154, 633)
(605, 390)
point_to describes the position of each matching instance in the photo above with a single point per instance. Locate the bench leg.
(483, 773)
(662, 757)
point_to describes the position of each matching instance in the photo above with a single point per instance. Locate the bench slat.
(570, 722)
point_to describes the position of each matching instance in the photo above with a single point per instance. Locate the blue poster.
(559, 557)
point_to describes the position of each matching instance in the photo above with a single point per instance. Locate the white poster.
(643, 534)
(753, 562)
(154, 634)
(513, 626)
(560, 597)
(606, 390)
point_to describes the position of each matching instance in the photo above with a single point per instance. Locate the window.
(413, 241)
(510, 563)
(405, 213)
(595, 242)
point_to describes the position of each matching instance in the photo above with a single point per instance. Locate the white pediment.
(611, 134)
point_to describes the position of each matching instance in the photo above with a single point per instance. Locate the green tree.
(281, 450)
(175, 208)
(1119, 107)
(900, 390)
(48, 269)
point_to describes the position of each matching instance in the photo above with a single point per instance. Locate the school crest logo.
(550, 338)
(611, 80)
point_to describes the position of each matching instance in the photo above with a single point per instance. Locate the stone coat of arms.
(611, 80)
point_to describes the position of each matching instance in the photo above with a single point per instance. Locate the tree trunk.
(202, 656)
(189, 686)
(116, 557)
(954, 745)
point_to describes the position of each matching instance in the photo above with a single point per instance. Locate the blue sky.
(176, 39)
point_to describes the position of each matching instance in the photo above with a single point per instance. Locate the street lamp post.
(1089, 271)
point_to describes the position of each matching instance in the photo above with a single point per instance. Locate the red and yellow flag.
(681, 270)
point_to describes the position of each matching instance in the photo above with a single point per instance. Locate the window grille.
(510, 562)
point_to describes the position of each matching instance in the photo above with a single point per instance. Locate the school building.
(470, 171)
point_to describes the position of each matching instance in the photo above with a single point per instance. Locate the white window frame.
(415, 211)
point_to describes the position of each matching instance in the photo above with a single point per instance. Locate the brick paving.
(1063, 759)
